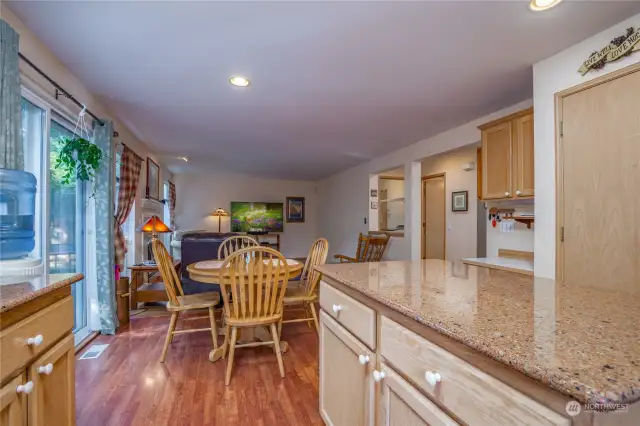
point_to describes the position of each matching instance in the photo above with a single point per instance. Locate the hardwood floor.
(127, 385)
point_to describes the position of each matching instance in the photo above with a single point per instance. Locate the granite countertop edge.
(34, 294)
(563, 383)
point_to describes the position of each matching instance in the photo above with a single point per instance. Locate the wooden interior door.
(52, 402)
(497, 159)
(346, 386)
(599, 185)
(402, 405)
(433, 217)
(13, 405)
(524, 164)
(383, 209)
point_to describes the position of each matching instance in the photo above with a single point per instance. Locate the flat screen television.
(257, 217)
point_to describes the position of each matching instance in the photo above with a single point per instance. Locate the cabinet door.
(346, 385)
(13, 404)
(523, 130)
(496, 161)
(52, 402)
(402, 405)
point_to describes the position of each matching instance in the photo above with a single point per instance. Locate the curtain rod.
(59, 89)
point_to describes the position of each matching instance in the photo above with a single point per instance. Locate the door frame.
(423, 242)
(559, 97)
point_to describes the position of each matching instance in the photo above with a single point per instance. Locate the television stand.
(269, 240)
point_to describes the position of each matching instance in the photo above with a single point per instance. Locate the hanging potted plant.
(78, 158)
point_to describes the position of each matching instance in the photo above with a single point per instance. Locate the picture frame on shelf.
(460, 201)
(295, 209)
(153, 180)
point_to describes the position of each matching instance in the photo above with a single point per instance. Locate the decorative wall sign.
(374, 193)
(374, 205)
(619, 48)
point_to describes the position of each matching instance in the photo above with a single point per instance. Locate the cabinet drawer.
(51, 323)
(472, 395)
(356, 317)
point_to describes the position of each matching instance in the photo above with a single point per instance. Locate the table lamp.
(155, 226)
(219, 213)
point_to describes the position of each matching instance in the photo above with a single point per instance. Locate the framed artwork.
(374, 205)
(374, 193)
(295, 209)
(459, 201)
(153, 180)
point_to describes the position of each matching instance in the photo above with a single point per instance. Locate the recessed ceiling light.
(540, 5)
(239, 81)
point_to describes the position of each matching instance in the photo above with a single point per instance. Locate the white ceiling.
(334, 83)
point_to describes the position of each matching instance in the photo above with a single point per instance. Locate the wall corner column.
(412, 208)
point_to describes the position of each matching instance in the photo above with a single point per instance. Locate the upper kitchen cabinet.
(507, 157)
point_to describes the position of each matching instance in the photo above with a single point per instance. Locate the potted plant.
(77, 158)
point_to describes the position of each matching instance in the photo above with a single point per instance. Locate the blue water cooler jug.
(17, 213)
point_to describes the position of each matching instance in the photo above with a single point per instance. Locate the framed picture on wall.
(460, 201)
(295, 209)
(153, 180)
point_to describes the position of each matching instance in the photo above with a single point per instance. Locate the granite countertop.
(504, 263)
(581, 341)
(24, 290)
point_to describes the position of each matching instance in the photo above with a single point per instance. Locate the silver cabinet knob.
(378, 375)
(363, 359)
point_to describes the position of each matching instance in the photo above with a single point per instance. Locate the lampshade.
(219, 212)
(154, 224)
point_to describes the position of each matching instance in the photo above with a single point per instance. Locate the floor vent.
(94, 351)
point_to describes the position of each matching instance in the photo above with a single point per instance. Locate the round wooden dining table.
(208, 272)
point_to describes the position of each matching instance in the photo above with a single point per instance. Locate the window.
(60, 213)
(67, 221)
(33, 131)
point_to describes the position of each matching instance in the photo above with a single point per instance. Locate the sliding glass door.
(67, 219)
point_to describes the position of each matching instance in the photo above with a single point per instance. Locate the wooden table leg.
(135, 282)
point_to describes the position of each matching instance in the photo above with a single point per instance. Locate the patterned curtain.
(105, 276)
(172, 205)
(130, 166)
(11, 150)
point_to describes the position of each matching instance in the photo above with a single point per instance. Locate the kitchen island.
(37, 355)
(431, 342)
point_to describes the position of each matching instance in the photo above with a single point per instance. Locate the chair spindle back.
(232, 244)
(253, 283)
(172, 284)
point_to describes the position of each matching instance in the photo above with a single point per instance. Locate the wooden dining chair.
(232, 244)
(305, 295)
(253, 283)
(178, 302)
(371, 248)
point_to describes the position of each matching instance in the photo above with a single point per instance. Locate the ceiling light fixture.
(239, 81)
(540, 5)
(185, 159)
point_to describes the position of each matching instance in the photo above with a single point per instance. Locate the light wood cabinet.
(507, 160)
(346, 384)
(524, 170)
(52, 402)
(13, 403)
(38, 362)
(402, 405)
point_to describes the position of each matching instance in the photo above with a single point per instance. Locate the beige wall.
(462, 227)
(198, 195)
(551, 76)
(38, 53)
